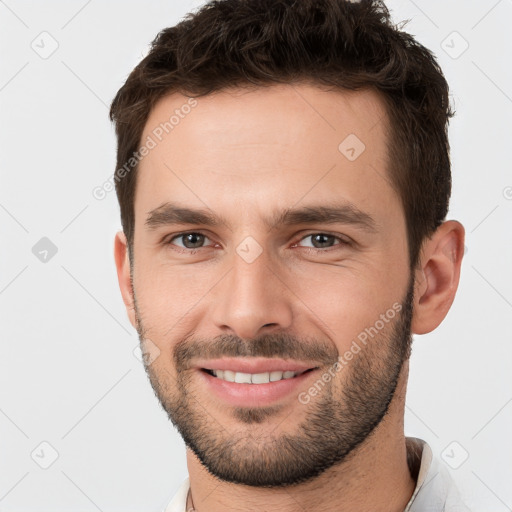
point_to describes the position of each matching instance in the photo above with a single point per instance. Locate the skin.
(244, 155)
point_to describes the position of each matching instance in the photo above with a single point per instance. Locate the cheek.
(169, 296)
(346, 304)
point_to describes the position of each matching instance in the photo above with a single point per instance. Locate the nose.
(252, 299)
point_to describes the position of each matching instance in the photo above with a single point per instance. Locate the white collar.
(434, 491)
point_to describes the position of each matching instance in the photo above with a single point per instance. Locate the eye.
(321, 241)
(190, 240)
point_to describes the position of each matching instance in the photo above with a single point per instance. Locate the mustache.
(272, 345)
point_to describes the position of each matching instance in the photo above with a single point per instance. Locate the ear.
(437, 276)
(123, 274)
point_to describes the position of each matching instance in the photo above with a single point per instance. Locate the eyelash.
(315, 250)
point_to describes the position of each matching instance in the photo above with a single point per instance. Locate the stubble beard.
(334, 424)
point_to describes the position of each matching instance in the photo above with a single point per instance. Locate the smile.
(254, 378)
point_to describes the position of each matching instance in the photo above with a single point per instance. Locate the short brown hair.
(335, 43)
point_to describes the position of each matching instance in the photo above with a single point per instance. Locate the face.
(270, 249)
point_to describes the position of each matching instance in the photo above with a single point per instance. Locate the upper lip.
(254, 365)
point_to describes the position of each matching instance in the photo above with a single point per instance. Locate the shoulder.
(435, 489)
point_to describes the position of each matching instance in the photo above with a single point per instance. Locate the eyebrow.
(342, 213)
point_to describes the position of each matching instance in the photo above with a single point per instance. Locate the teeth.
(228, 375)
(275, 376)
(260, 378)
(243, 378)
(253, 378)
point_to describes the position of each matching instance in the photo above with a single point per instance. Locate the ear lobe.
(437, 277)
(123, 274)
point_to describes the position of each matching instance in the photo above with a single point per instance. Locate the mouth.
(254, 382)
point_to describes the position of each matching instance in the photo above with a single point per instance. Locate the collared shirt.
(435, 490)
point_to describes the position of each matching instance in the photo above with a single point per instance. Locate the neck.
(375, 477)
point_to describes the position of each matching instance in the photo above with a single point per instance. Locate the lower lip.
(254, 395)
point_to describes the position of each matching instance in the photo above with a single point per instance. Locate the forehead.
(289, 111)
(265, 146)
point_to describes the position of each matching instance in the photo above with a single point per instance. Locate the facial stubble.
(334, 424)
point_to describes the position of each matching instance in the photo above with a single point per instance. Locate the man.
(283, 175)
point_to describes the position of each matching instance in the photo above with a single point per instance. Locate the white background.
(68, 374)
